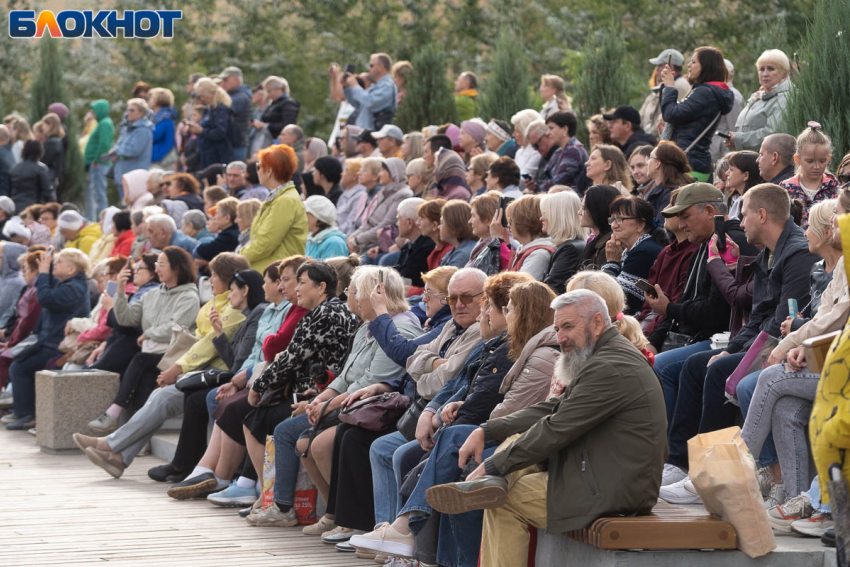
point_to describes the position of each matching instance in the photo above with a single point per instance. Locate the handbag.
(325, 421)
(406, 425)
(203, 380)
(181, 341)
(676, 340)
(23, 348)
(376, 413)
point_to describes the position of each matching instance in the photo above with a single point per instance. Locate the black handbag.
(325, 421)
(406, 424)
(676, 340)
(204, 380)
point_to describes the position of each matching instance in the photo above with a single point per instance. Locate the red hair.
(281, 160)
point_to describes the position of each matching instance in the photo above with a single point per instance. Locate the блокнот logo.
(144, 24)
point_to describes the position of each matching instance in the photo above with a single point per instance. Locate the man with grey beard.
(595, 450)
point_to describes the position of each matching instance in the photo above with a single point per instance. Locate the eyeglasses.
(429, 295)
(161, 265)
(619, 220)
(464, 298)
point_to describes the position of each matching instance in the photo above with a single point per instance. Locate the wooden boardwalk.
(62, 510)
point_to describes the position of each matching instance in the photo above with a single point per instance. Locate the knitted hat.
(12, 228)
(330, 168)
(70, 220)
(321, 208)
(501, 131)
(59, 110)
(476, 128)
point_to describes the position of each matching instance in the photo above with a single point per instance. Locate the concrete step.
(164, 444)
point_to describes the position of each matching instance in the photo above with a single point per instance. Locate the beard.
(569, 363)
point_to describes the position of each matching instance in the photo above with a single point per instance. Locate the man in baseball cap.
(389, 140)
(240, 103)
(624, 125)
(366, 146)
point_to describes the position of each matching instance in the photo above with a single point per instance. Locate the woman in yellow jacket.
(280, 228)
(829, 425)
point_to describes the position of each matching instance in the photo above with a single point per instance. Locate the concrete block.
(66, 401)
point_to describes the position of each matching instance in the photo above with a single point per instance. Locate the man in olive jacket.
(596, 450)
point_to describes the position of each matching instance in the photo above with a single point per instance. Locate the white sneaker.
(814, 526)
(765, 476)
(794, 509)
(682, 492)
(672, 474)
(776, 496)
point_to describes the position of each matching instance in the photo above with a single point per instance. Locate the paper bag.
(181, 341)
(724, 475)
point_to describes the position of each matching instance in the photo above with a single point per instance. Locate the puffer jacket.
(280, 113)
(693, 115)
(134, 148)
(30, 183)
(383, 213)
(528, 380)
(326, 243)
(60, 302)
(279, 229)
(761, 117)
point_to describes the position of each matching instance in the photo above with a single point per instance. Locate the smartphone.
(380, 275)
(647, 287)
(526, 176)
(503, 204)
(49, 252)
(720, 231)
(349, 68)
(792, 308)
(722, 135)
(670, 61)
(111, 288)
(295, 398)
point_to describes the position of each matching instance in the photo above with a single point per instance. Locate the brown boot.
(107, 460)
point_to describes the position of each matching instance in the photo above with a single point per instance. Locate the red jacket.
(27, 314)
(123, 244)
(278, 342)
(670, 272)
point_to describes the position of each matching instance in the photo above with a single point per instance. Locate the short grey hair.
(297, 130)
(408, 208)
(468, 273)
(783, 144)
(274, 82)
(139, 103)
(365, 279)
(538, 126)
(588, 302)
(164, 222)
(719, 206)
(196, 218)
(240, 165)
(155, 175)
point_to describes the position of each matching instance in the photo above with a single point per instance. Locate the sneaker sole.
(388, 547)
(813, 532)
(778, 527)
(104, 430)
(365, 553)
(340, 538)
(108, 467)
(272, 524)
(232, 502)
(681, 499)
(449, 500)
(186, 492)
(317, 529)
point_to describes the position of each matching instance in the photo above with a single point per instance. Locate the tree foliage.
(505, 92)
(603, 74)
(820, 92)
(428, 98)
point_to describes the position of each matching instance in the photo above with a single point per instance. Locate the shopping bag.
(268, 473)
(724, 474)
(753, 361)
(306, 498)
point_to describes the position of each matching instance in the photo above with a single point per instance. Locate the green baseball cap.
(691, 195)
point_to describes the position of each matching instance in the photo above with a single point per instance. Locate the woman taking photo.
(631, 251)
(560, 215)
(280, 228)
(669, 169)
(595, 212)
(691, 121)
(490, 255)
(607, 166)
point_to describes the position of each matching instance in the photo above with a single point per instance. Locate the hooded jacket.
(280, 113)
(761, 117)
(163, 132)
(279, 229)
(123, 244)
(158, 311)
(349, 207)
(137, 189)
(693, 115)
(101, 138)
(60, 302)
(11, 280)
(637, 139)
(85, 238)
(30, 183)
(326, 243)
(133, 148)
(240, 103)
(382, 213)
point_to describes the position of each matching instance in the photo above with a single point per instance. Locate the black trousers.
(117, 355)
(351, 498)
(193, 433)
(139, 381)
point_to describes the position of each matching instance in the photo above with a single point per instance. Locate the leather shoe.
(84, 441)
(459, 497)
(26, 422)
(200, 485)
(167, 473)
(107, 460)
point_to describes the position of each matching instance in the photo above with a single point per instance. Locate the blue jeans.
(96, 192)
(385, 483)
(390, 259)
(286, 461)
(367, 260)
(814, 497)
(212, 404)
(22, 373)
(744, 392)
(238, 154)
(668, 366)
(460, 534)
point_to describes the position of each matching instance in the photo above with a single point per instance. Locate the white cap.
(389, 131)
(70, 220)
(13, 228)
(322, 208)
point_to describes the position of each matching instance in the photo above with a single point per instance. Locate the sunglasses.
(464, 298)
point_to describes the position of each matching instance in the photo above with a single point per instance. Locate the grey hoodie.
(11, 280)
(157, 311)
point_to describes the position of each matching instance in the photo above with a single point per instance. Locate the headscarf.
(315, 149)
(449, 164)
(107, 219)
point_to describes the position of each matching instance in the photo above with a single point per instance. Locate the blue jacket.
(325, 244)
(240, 104)
(60, 302)
(226, 241)
(134, 148)
(204, 236)
(213, 143)
(163, 132)
(187, 243)
(459, 256)
(396, 346)
(380, 96)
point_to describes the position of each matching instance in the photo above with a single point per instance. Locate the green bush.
(505, 89)
(429, 99)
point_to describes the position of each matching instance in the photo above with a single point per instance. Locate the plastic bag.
(306, 497)
(268, 473)
(724, 475)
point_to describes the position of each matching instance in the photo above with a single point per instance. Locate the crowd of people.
(458, 332)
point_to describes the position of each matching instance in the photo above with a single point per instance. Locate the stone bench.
(66, 400)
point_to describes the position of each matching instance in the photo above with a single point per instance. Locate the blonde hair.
(139, 103)
(619, 166)
(562, 215)
(228, 206)
(354, 163)
(21, 127)
(366, 278)
(414, 142)
(274, 82)
(557, 83)
(209, 86)
(523, 118)
(161, 97)
(601, 127)
(372, 165)
(76, 257)
(481, 163)
(53, 124)
(248, 209)
(777, 57)
(813, 136)
(820, 222)
(415, 167)
(344, 267)
(439, 277)
(610, 291)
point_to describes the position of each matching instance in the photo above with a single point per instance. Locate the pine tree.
(603, 75)
(820, 92)
(506, 87)
(49, 87)
(429, 99)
